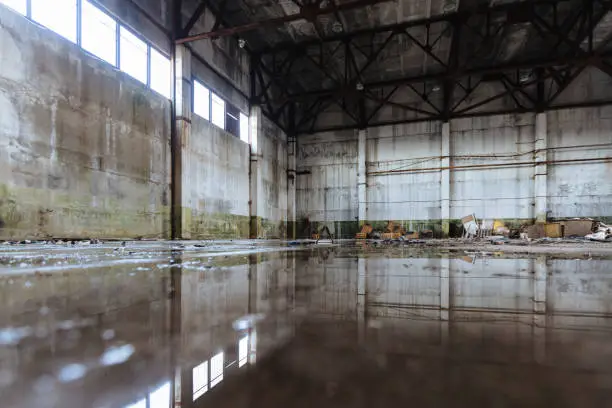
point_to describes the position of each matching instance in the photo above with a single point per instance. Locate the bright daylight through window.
(218, 111)
(244, 127)
(201, 100)
(161, 73)
(19, 6)
(99, 33)
(58, 16)
(133, 55)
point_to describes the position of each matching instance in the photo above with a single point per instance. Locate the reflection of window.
(244, 127)
(140, 404)
(133, 55)
(99, 33)
(161, 73)
(160, 398)
(218, 111)
(19, 6)
(200, 380)
(201, 100)
(216, 369)
(58, 15)
(243, 351)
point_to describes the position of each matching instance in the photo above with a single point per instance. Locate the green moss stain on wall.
(44, 213)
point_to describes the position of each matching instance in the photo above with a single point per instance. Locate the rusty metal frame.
(456, 73)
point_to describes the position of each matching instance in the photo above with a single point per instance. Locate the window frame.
(94, 4)
(26, 5)
(193, 99)
(77, 16)
(147, 58)
(152, 49)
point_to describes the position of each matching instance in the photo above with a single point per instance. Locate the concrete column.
(181, 199)
(256, 206)
(541, 168)
(445, 180)
(361, 176)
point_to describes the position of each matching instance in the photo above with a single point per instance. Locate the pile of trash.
(574, 228)
(603, 233)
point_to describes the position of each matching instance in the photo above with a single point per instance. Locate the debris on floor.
(603, 233)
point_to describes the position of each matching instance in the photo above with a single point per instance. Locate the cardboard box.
(553, 230)
(577, 228)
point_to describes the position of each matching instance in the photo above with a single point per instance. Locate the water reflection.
(163, 334)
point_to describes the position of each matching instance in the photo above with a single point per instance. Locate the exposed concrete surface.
(494, 165)
(83, 148)
(110, 325)
(216, 183)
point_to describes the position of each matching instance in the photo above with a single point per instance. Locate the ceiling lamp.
(337, 27)
(359, 86)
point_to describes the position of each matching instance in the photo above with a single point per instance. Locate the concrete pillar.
(361, 176)
(181, 199)
(256, 206)
(541, 168)
(445, 180)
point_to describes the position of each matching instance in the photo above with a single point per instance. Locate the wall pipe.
(487, 166)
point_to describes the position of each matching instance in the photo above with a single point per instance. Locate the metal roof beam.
(309, 12)
(461, 15)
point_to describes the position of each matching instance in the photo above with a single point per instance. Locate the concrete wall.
(327, 181)
(83, 148)
(491, 165)
(580, 189)
(216, 183)
(272, 195)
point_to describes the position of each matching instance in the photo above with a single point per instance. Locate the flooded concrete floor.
(258, 325)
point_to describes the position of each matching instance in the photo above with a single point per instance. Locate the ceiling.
(408, 60)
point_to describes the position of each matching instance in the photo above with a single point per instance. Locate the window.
(244, 127)
(216, 369)
(243, 350)
(160, 398)
(19, 6)
(99, 33)
(200, 380)
(133, 55)
(161, 73)
(218, 111)
(232, 119)
(59, 16)
(201, 100)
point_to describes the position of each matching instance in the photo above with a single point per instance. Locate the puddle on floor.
(167, 326)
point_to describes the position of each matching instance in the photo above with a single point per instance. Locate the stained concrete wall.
(216, 183)
(272, 204)
(505, 191)
(327, 181)
(491, 165)
(580, 189)
(83, 147)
